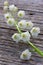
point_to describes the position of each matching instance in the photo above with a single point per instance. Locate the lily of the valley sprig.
(9, 12)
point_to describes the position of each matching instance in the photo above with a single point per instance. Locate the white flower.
(22, 24)
(10, 21)
(16, 37)
(5, 8)
(13, 8)
(25, 36)
(29, 25)
(21, 13)
(35, 31)
(6, 3)
(7, 15)
(26, 55)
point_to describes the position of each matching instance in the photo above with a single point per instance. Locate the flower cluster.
(22, 24)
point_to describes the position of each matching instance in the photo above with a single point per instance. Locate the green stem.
(17, 27)
(36, 49)
(31, 44)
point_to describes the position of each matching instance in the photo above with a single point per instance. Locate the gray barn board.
(9, 50)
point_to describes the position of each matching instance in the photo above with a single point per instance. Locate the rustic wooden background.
(9, 50)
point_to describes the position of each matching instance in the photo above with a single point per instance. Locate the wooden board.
(9, 50)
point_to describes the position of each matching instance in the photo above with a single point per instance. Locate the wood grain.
(9, 50)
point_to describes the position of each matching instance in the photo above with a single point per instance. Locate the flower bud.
(6, 3)
(5, 8)
(26, 55)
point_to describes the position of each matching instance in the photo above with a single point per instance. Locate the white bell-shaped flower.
(16, 37)
(7, 15)
(22, 24)
(10, 21)
(26, 55)
(21, 13)
(29, 25)
(25, 36)
(13, 8)
(35, 31)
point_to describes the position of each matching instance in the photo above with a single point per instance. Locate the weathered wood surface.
(9, 50)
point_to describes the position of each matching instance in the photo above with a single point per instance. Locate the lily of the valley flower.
(7, 15)
(35, 31)
(13, 8)
(25, 36)
(16, 37)
(26, 55)
(22, 24)
(10, 21)
(21, 13)
(29, 25)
